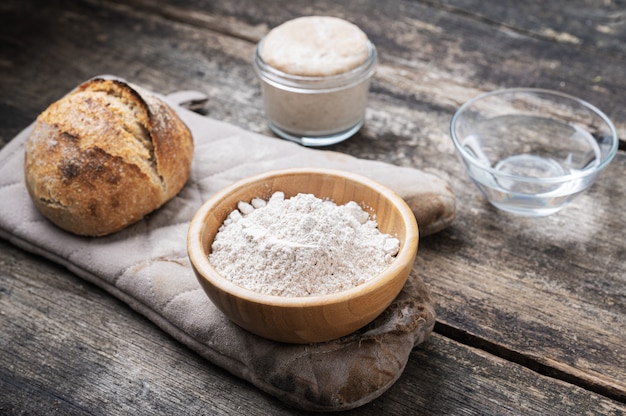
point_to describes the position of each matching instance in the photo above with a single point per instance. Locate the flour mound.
(300, 246)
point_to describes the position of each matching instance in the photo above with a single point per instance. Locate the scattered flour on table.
(300, 246)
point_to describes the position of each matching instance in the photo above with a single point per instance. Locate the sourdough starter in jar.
(315, 74)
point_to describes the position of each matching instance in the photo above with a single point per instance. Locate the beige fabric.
(151, 273)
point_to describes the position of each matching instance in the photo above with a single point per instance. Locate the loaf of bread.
(104, 156)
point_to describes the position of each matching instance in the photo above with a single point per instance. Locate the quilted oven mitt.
(151, 271)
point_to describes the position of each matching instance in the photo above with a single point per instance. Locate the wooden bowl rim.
(204, 268)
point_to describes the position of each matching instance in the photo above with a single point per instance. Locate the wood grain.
(530, 311)
(68, 348)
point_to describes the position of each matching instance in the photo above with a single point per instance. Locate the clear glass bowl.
(532, 151)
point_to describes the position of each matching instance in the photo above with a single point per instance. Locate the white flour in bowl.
(301, 246)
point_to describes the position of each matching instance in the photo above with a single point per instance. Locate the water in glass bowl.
(521, 161)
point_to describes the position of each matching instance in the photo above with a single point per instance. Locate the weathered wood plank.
(68, 348)
(589, 24)
(552, 289)
(446, 54)
(430, 60)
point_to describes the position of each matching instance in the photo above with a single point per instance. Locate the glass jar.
(315, 110)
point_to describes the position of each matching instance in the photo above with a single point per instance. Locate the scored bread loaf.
(104, 156)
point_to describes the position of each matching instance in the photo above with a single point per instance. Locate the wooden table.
(531, 312)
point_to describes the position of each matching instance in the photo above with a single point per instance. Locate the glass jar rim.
(315, 84)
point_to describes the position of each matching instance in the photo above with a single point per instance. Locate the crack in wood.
(564, 373)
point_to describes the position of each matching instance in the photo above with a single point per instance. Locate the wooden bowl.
(312, 318)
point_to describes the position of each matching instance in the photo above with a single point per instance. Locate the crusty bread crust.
(104, 156)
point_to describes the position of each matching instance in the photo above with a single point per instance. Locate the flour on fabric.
(300, 246)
